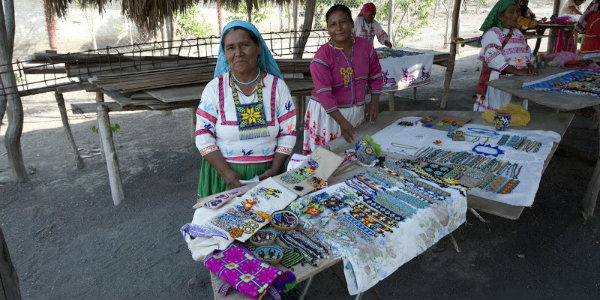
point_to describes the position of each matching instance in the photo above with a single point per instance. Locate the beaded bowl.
(263, 237)
(270, 254)
(284, 220)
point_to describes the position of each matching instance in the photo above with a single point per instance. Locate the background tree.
(9, 96)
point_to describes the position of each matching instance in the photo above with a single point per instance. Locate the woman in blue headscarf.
(246, 119)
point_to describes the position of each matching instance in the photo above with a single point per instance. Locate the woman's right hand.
(347, 130)
(232, 179)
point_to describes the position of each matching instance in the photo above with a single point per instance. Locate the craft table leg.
(391, 101)
(477, 215)
(60, 100)
(591, 193)
(358, 296)
(415, 93)
(306, 287)
(454, 243)
(110, 155)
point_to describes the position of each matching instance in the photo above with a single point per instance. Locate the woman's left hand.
(373, 109)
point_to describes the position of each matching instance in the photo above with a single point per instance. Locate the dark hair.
(253, 37)
(339, 7)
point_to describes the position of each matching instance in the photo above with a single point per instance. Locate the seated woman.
(503, 51)
(365, 26)
(341, 70)
(526, 20)
(590, 21)
(246, 120)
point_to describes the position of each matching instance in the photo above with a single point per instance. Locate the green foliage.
(408, 17)
(241, 13)
(18, 78)
(192, 22)
(587, 219)
(113, 128)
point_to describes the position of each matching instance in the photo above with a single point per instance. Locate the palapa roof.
(148, 12)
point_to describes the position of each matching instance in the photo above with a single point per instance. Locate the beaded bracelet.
(370, 222)
(408, 198)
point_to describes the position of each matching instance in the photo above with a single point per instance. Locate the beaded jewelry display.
(484, 132)
(370, 222)
(503, 139)
(296, 176)
(357, 227)
(335, 204)
(408, 198)
(381, 218)
(360, 187)
(382, 209)
(395, 205)
(371, 183)
(498, 184)
(487, 150)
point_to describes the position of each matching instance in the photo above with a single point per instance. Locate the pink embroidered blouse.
(340, 80)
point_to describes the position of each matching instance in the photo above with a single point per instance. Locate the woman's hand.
(372, 110)
(232, 179)
(531, 69)
(268, 173)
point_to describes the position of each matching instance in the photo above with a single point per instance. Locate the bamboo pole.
(108, 148)
(60, 100)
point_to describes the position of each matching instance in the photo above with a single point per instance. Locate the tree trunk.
(50, 26)
(220, 15)
(249, 10)
(9, 281)
(10, 94)
(309, 14)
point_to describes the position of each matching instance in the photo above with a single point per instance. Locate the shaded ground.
(68, 241)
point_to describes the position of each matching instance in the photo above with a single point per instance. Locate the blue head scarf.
(265, 59)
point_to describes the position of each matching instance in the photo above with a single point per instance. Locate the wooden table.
(541, 29)
(558, 122)
(512, 85)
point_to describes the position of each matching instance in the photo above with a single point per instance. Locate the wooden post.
(391, 101)
(193, 110)
(60, 100)
(553, 32)
(451, 60)
(300, 107)
(108, 148)
(9, 281)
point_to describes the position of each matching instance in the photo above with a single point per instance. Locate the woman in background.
(365, 26)
(341, 69)
(504, 51)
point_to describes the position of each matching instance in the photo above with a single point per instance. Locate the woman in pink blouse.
(341, 70)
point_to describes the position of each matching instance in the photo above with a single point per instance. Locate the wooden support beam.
(110, 155)
(452, 58)
(60, 101)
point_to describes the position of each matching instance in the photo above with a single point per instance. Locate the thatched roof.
(148, 12)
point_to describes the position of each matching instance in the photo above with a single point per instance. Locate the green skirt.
(211, 182)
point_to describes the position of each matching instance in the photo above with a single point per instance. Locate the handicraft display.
(312, 174)
(579, 82)
(443, 122)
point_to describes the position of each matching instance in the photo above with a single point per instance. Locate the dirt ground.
(68, 241)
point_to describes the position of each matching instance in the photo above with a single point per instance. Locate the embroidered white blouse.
(370, 30)
(217, 125)
(515, 53)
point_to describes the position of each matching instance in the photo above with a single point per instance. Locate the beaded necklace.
(251, 117)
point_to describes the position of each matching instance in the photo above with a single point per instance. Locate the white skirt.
(320, 128)
(494, 98)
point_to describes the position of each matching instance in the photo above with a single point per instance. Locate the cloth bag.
(242, 271)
